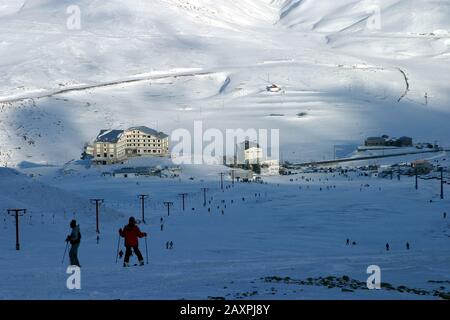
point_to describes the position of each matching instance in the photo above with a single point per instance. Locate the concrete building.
(243, 175)
(404, 142)
(141, 141)
(422, 166)
(113, 146)
(248, 152)
(375, 142)
(270, 167)
(385, 141)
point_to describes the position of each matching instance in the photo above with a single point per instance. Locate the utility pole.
(417, 180)
(232, 178)
(168, 205)
(143, 197)
(442, 182)
(17, 213)
(204, 196)
(97, 208)
(183, 195)
(221, 180)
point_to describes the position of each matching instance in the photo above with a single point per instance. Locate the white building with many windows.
(112, 146)
(248, 152)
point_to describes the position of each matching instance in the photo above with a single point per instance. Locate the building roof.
(375, 139)
(111, 136)
(149, 131)
(137, 170)
(248, 144)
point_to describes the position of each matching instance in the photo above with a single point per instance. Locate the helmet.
(132, 220)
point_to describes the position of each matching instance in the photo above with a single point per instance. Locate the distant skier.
(74, 238)
(445, 215)
(407, 246)
(348, 241)
(131, 233)
(167, 245)
(171, 244)
(161, 220)
(162, 227)
(387, 247)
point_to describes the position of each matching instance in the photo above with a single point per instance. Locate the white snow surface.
(168, 63)
(283, 228)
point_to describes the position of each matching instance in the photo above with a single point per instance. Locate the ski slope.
(274, 229)
(168, 63)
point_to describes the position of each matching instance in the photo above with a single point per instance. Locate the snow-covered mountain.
(346, 69)
(331, 61)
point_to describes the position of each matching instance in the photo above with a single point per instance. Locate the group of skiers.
(169, 245)
(130, 232)
(408, 246)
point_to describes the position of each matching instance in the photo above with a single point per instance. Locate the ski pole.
(64, 255)
(146, 249)
(118, 244)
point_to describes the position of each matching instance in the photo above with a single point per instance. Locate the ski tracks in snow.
(406, 82)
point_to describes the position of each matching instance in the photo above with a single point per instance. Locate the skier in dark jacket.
(131, 233)
(74, 238)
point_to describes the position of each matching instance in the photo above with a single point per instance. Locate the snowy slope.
(168, 63)
(397, 16)
(284, 228)
(43, 201)
(316, 52)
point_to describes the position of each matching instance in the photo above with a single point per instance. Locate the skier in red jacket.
(131, 233)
